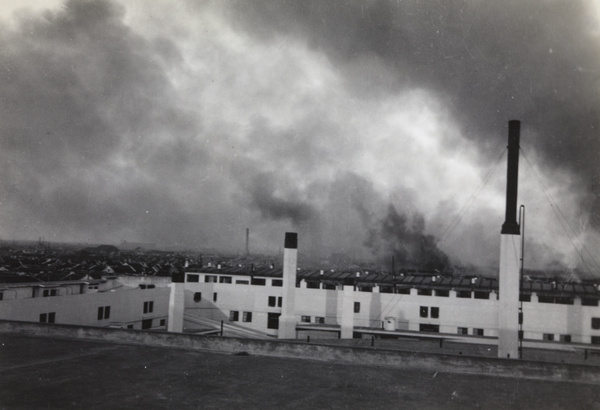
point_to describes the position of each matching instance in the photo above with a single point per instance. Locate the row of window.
(424, 312)
(228, 279)
(104, 311)
(307, 319)
(234, 316)
(465, 331)
(47, 317)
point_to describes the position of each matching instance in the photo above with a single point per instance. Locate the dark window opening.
(403, 291)
(242, 282)
(129, 326)
(51, 317)
(43, 317)
(429, 328)
(424, 311)
(548, 337)
(545, 299)
(305, 319)
(197, 297)
(435, 312)
(312, 285)
(234, 316)
(148, 307)
(247, 317)
(589, 302)
(279, 301)
(319, 319)
(210, 279)
(103, 312)
(146, 324)
(225, 279)
(273, 320)
(477, 332)
(564, 300)
(424, 292)
(481, 295)
(356, 307)
(442, 292)
(596, 340)
(465, 294)
(525, 297)
(463, 330)
(272, 301)
(365, 289)
(565, 338)
(596, 323)
(193, 278)
(277, 282)
(214, 296)
(329, 286)
(386, 289)
(258, 281)
(163, 322)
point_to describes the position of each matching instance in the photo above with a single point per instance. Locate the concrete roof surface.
(57, 373)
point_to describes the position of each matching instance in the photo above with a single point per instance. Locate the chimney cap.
(291, 240)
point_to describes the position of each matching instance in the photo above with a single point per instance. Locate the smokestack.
(511, 226)
(247, 241)
(287, 320)
(510, 255)
(176, 302)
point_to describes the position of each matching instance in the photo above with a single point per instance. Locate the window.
(463, 331)
(435, 312)
(477, 332)
(279, 301)
(1, 295)
(50, 292)
(43, 317)
(146, 323)
(225, 279)
(103, 312)
(465, 294)
(424, 311)
(356, 307)
(258, 281)
(47, 317)
(565, 338)
(312, 285)
(234, 316)
(442, 292)
(273, 321)
(51, 317)
(481, 295)
(197, 297)
(525, 297)
(319, 319)
(595, 340)
(210, 279)
(403, 291)
(329, 286)
(589, 302)
(305, 319)
(148, 307)
(429, 328)
(564, 300)
(247, 317)
(277, 282)
(596, 323)
(163, 322)
(424, 292)
(193, 278)
(548, 337)
(129, 326)
(545, 299)
(272, 301)
(214, 296)
(242, 282)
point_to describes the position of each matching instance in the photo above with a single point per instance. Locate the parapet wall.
(296, 350)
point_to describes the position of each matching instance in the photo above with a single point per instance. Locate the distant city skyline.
(371, 128)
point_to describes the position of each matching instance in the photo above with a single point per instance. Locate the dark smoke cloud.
(120, 123)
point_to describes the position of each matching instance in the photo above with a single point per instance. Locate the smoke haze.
(371, 127)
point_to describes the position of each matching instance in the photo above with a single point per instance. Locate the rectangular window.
(210, 279)
(1, 295)
(403, 291)
(481, 295)
(103, 312)
(129, 326)
(147, 324)
(148, 307)
(106, 312)
(234, 316)
(225, 279)
(548, 337)
(273, 320)
(51, 317)
(305, 319)
(596, 323)
(463, 331)
(50, 292)
(356, 307)
(424, 292)
(214, 296)
(329, 286)
(565, 338)
(258, 281)
(43, 317)
(589, 302)
(279, 301)
(435, 312)
(319, 319)
(424, 311)
(595, 340)
(272, 301)
(277, 282)
(465, 294)
(525, 297)
(477, 332)
(564, 300)
(312, 285)
(545, 299)
(247, 317)
(429, 328)
(442, 292)
(193, 278)
(197, 297)
(242, 282)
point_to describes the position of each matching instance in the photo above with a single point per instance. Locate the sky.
(372, 128)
